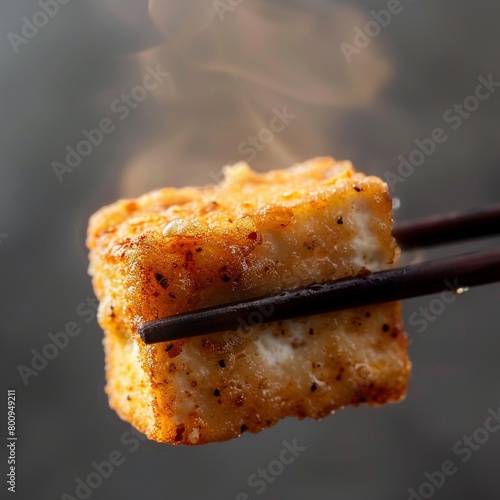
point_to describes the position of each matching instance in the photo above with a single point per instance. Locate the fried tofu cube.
(177, 250)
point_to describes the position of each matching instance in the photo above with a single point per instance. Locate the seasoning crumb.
(161, 280)
(222, 363)
(223, 274)
(217, 393)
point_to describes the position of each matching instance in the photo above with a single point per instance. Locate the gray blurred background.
(229, 65)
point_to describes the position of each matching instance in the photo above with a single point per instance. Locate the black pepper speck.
(161, 280)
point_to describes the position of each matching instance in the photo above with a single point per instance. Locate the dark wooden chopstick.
(385, 286)
(448, 228)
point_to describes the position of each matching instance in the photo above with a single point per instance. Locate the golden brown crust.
(172, 251)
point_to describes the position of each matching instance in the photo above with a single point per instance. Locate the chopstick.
(449, 228)
(455, 273)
